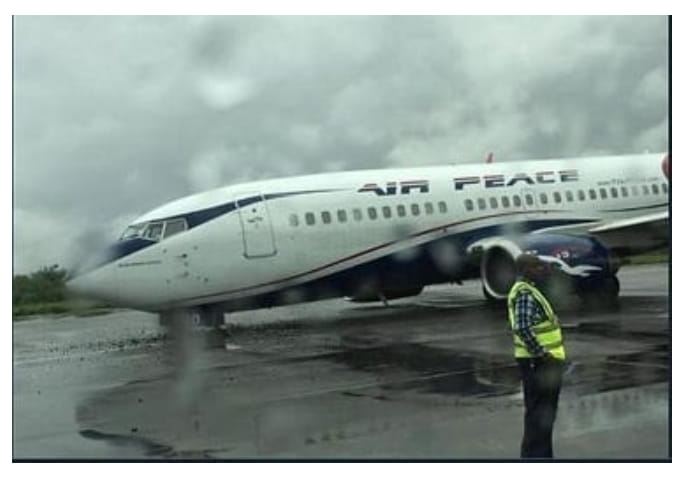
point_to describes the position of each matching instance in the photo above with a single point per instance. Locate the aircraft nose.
(93, 285)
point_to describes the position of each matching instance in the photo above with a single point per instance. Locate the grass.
(59, 309)
(654, 257)
(89, 309)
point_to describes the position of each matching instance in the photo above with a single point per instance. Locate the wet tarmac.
(427, 377)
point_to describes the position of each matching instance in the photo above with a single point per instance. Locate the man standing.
(539, 353)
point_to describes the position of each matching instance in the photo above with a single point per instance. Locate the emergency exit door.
(257, 230)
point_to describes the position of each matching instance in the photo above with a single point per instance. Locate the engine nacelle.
(577, 264)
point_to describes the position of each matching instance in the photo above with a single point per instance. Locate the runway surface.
(427, 377)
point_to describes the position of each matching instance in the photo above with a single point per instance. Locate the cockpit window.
(154, 231)
(174, 227)
(132, 231)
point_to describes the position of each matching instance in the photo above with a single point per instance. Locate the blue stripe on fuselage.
(115, 251)
(197, 218)
(127, 247)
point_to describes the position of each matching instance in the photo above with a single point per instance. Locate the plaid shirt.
(528, 313)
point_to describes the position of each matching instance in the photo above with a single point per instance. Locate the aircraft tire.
(610, 292)
(603, 297)
(208, 317)
(177, 323)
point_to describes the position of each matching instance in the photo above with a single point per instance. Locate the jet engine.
(579, 265)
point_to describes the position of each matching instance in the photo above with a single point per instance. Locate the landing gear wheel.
(212, 321)
(208, 317)
(604, 296)
(189, 332)
(182, 342)
(615, 285)
(610, 292)
(176, 323)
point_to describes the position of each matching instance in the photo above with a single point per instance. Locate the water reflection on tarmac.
(427, 377)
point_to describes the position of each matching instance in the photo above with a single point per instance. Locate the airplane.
(377, 235)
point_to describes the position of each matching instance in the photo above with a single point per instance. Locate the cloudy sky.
(116, 115)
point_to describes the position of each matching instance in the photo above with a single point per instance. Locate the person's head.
(530, 266)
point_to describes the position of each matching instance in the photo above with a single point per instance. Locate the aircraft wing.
(642, 231)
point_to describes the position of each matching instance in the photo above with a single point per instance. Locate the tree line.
(46, 285)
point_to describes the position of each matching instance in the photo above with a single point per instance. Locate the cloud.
(116, 115)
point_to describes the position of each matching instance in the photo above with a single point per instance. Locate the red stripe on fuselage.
(358, 254)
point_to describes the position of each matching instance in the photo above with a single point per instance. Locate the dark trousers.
(541, 379)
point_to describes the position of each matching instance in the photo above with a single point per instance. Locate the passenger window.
(624, 191)
(493, 203)
(568, 196)
(356, 214)
(325, 216)
(387, 212)
(603, 193)
(441, 205)
(592, 194)
(516, 201)
(481, 204)
(580, 195)
(154, 231)
(664, 188)
(505, 202)
(372, 213)
(428, 208)
(614, 192)
(529, 200)
(341, 215)
(401, 210)
(645, 190)
(415, 210)
(294, 220)
(310, 218)
(654, 188)
(469, 205)
(543, 198)
(557, 196)
(635, 191)
(174, 227)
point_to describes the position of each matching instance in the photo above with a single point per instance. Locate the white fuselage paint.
(256, 249)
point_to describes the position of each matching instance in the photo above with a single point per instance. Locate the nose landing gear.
(191, 331)
(180, 320)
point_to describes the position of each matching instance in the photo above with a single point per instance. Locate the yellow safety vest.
(547, 332)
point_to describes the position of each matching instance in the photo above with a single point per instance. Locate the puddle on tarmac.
(430, 369)
(443, 371)
(434, 369)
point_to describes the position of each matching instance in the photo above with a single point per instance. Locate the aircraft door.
(257, 230)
